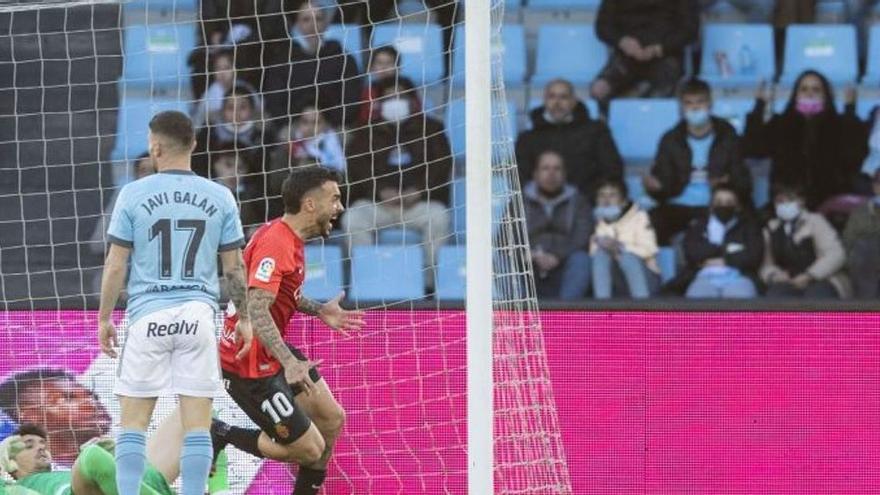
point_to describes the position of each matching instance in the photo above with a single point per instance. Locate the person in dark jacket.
(559, 223)
(809, 143)
(861, 238)
(647, 40)
(399, 171)
(803, 256)
(563, 124)
(700, 152)
(723, 251)
(319, 70)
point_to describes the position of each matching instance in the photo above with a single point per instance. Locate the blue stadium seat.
(760, 190)
(156, 56)
(828, 48)
(133, 121)
(349, 36)
(512, 48)
(872, 69)
(666, 260)
(565, 4)
(636, 192)
(455, 124)
(748, 49)
(189, 6)
(324, 277)
(734, 110)
(387, 273)
(420, 47)
(501, 192)
(638, 124)
(864, 106)
(569, 51)
(400, 236)
(451, 273)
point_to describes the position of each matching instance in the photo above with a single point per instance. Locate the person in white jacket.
(623, 246)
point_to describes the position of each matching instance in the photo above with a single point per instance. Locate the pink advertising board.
(660, 403)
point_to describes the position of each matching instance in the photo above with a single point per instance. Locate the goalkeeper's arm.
(95, 469)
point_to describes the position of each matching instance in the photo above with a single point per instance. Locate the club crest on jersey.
(282, 431)
(265, 269)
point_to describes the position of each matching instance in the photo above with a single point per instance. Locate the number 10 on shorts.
(279, 406)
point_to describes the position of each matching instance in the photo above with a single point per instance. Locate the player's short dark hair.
(694, 86)
(302, 180)
(614, 182)
(15, 386)
(32, 429)
(388, 50)
(175, 126)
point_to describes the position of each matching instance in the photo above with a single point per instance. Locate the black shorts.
(269, 402)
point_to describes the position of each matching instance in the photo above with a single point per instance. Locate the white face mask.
(788, 211)
(395, 109)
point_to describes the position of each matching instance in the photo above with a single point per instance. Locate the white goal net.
(373, 89)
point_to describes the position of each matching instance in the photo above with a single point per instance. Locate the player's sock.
(243, 439)
(195, 462)
(131, 460)
(309, 481)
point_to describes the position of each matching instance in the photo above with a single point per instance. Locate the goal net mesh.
(373, 89)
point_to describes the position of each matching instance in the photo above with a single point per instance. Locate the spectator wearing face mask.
(319, 70)
(809, 143)
(723, 251)
(562, 123)
(222, 80)
(238, 126)
(803, 256)
(623, 247)
(559, 224)
(861, 238)
(399, 171)
(384, 64)
(699, 153)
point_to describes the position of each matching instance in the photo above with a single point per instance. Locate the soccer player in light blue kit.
(172, 225)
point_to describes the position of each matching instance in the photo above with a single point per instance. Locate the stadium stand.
(324, 271)
(387, 273)
(637, 125)
(826, 47)
(737, 55)
(553, 59)
(420, 48)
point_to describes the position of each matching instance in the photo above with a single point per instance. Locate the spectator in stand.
(861, 237)
(699, 153)
(222, 80)
(809, 143)
(234, 170)
(254, 31)
(723, 251)
(318, 71)
(384, 64)
(559, 223)
(399, 171)
(311, 139)
(803, 256)
(239, 126)
(647, 40)
(564, 124)
(624, 246)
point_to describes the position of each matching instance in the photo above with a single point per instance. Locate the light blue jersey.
(175, 222)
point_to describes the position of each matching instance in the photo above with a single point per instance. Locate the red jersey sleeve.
(269, 263)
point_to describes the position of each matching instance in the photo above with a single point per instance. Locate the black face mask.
(724, 213)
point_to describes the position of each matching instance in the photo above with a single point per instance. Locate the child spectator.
(624, 246)
(803, 256)
(723, 251)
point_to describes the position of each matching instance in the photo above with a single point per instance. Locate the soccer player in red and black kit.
(274, 383)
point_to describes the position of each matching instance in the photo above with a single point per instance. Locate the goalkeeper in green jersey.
(26, 457)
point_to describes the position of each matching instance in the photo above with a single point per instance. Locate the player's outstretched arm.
(295, 371)
(332, 314)
(112, 282)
